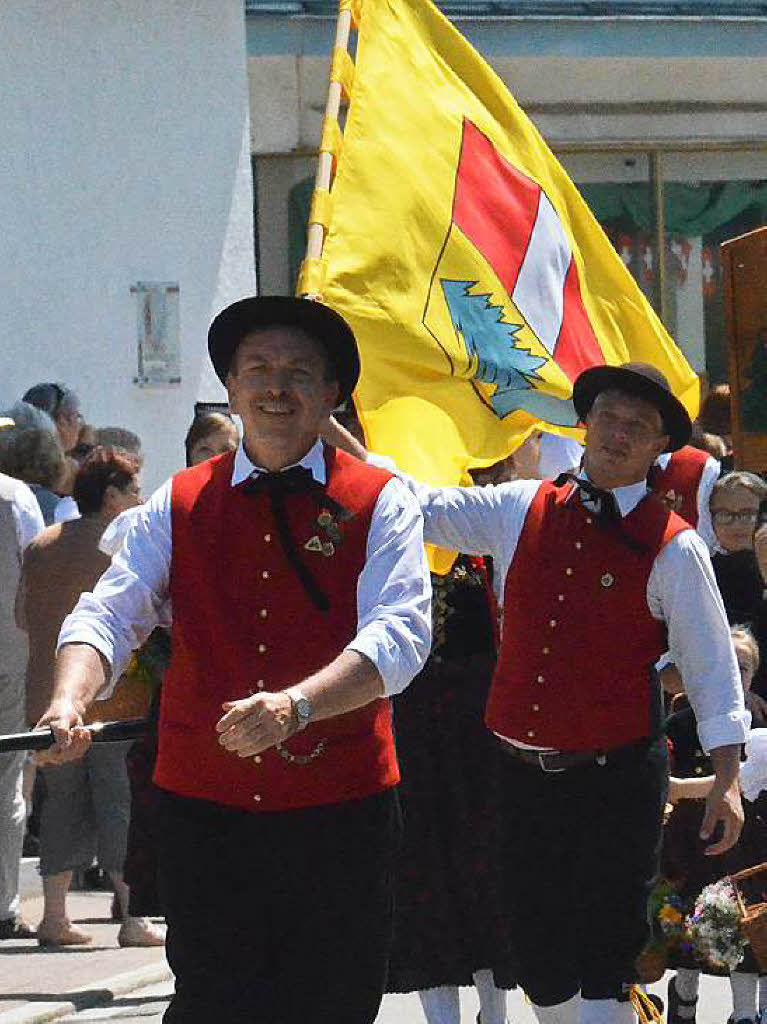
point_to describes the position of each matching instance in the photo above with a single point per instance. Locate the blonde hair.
(740, 478)
(743, 633)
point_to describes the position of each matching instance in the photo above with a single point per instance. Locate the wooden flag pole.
(316, 234)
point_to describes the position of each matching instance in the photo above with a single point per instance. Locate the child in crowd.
(684, 861)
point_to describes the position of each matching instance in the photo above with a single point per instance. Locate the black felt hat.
(317, 320)
(644, 381)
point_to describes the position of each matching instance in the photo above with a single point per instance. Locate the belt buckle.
(542, 764)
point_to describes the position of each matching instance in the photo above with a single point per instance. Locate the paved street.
(147, 1005)
(102, 978)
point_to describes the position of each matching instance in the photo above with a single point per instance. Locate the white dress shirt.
(393, 589)
(681, 590)
(27, 517)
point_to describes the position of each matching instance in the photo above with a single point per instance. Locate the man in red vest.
(684, 479)
(600, 577)
(294, 582)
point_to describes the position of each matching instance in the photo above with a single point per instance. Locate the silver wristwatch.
(302, 707)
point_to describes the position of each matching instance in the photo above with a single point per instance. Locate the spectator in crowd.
(712, 444)
(715, 417)
(684, 861)
(211, 433)
(118, 437)
(735, 508)
(87, 802)
(31, 451)
(20, 521)
(63, 406)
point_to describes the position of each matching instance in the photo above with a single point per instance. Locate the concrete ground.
(102, 982)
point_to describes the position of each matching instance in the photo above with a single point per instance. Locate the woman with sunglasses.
(735, 505)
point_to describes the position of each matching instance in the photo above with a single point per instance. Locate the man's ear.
(231, 390)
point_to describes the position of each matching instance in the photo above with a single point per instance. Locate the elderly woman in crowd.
(63, 406)
(87, 804)
(30, 451)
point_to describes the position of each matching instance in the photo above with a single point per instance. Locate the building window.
(708, 197)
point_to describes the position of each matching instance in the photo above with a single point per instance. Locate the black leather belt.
(563, 760)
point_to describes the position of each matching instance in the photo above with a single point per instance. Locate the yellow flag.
(475, 278)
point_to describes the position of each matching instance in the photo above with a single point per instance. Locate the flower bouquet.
(715, 926)
(669, 932)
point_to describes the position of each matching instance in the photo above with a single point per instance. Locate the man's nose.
(277, 383)
(621, 431)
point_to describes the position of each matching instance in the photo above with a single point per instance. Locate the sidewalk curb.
(97, 993)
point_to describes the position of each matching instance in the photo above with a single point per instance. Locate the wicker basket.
(754, 914)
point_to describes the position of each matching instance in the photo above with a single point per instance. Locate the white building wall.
(125, 157)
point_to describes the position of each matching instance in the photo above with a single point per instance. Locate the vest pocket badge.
(607, 580)
(315, 544)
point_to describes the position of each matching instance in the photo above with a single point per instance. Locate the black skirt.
(448, 918)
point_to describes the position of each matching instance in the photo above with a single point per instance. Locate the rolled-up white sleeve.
(682, 591)
(476, 520)
(394, 591)
(131, 597)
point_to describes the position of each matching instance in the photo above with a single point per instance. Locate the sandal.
(65, 935)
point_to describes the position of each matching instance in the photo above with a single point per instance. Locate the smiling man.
(294, 582)
(600, 578)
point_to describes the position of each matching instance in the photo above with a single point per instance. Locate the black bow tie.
(605, 506)
(296, 480)
(289, 481)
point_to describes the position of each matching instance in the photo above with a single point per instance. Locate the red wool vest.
(242, 622)
(677, 484)
(579, 642)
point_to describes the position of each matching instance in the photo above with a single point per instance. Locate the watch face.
(303, 709)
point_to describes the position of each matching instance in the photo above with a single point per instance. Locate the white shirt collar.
(627, 497)
(314, 460)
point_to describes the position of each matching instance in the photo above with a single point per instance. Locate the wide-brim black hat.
(261, 311)
(644, 381)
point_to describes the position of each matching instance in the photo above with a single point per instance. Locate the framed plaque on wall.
(159, 342)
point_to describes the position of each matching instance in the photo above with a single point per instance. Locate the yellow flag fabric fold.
(476, 279)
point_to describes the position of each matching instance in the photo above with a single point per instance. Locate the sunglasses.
(726, 517)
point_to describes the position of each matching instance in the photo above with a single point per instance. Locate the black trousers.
(581, 854)
(278, 918)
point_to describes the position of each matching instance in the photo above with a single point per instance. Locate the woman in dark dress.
(448, 928)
